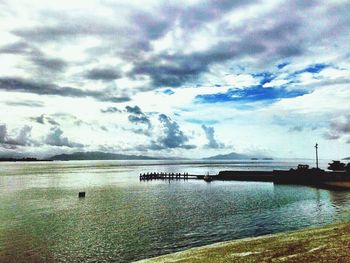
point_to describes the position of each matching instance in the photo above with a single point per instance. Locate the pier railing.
(169, 176)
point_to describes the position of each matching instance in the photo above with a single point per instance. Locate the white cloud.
(241, 80)
(189, 47)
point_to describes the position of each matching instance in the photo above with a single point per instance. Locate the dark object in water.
(81, 194)
(207, 178)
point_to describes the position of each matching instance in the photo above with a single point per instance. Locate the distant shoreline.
(24, 160)
(328, 243)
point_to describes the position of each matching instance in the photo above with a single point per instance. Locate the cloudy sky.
(175, 78)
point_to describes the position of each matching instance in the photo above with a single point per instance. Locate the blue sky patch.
(282, 65)
(316, 68)
(252, 94)
(265, 77)
(168, 92)
(201, 121)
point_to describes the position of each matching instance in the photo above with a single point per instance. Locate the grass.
(325, 244)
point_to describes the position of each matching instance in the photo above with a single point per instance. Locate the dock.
(169, 176)
(310, 177)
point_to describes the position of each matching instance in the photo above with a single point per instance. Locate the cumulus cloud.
(56, 138)
(3, 133)
(212, 142)
(23, 137)
(171, 135)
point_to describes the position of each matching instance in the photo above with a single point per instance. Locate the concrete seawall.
(324, 244)
(312, 177)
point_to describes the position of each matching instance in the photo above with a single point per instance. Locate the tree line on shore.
(339, 166)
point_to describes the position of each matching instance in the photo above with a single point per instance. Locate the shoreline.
(329, 243)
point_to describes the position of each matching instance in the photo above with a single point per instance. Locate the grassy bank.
(325, 244)
(338, 185)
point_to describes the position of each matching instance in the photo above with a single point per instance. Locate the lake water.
(122, 219)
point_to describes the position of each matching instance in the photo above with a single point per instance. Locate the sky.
(175, 78)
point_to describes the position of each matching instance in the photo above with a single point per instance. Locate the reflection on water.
(122, 219)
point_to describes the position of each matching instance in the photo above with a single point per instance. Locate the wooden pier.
(169, 176)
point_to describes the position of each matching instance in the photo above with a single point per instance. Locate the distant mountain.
(347, 158)
(27, 159)
(99, 156)
(267, 158)
(237, 156)
(229, 156)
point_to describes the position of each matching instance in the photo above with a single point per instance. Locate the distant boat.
(208, 178)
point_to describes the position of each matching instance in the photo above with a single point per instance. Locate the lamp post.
(316, 146)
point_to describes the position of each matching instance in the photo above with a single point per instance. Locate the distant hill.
(229, 156)
(99, 156)
(27, 159)
(347, 158)
(237, 156)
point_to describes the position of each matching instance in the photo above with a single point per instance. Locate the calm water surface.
(122, 219)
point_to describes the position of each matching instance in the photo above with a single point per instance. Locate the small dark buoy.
(81, 194)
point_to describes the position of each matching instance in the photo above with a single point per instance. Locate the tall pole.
(316, 146)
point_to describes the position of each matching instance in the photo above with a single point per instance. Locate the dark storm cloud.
(28, 86)
(104, 74)
(56, 138)
(143, 28)
(210, 134)
(278, 39)
(282, 32)
(171, 137)
(177, 69)
(149, 25)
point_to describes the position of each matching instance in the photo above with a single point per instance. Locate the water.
(122, 219)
